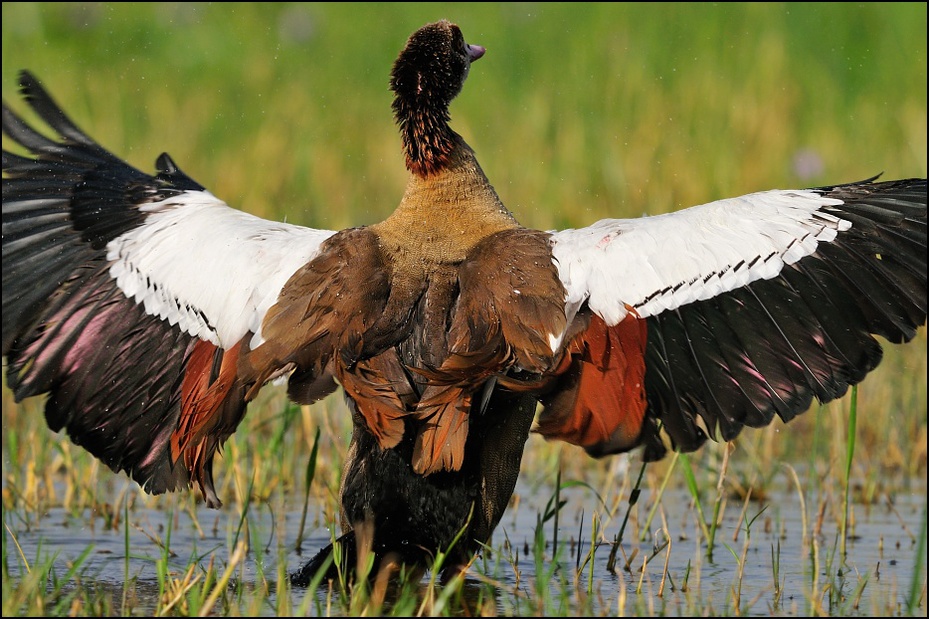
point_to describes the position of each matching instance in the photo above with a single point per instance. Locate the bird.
(149, 313)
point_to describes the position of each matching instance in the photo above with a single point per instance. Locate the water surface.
(678, 578)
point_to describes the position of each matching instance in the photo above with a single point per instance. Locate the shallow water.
(882, 554)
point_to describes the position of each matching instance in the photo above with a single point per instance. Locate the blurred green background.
(577, 112)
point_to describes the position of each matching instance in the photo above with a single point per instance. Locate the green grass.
(577, 112)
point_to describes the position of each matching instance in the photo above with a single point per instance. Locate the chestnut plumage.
(149, 313)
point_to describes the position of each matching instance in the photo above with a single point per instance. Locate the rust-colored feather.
(211, 408)
(375, 389)
(441, 440)
(599, 402)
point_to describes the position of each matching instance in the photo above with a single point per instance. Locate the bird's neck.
(444, 214)
(428, 140)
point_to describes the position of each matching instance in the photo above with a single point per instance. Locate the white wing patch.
(210, 269)
(662, 262)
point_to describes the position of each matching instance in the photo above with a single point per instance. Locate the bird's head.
(431, 69)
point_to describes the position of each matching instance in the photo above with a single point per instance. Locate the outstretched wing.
(753, 305)
(127, 298)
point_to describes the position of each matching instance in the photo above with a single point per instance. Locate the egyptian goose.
(151, 313)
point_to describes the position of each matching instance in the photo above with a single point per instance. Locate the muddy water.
(774, 572)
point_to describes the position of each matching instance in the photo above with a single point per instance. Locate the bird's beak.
(475, 52)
